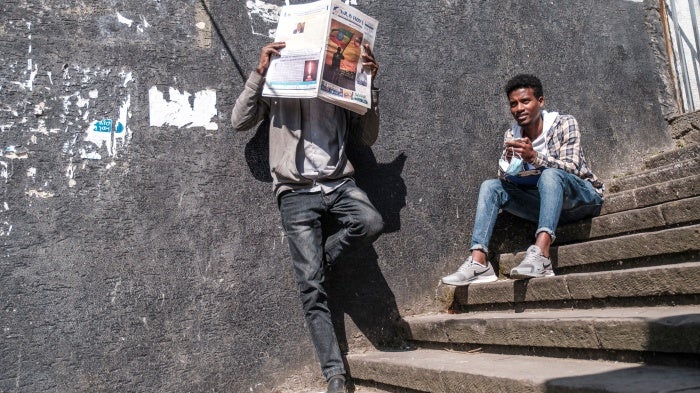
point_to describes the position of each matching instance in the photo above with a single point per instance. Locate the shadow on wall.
(256, 153)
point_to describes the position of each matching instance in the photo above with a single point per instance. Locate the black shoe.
(336, 384)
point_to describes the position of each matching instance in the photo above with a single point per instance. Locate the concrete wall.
(141, 246)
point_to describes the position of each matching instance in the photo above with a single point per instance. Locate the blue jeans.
(558, 196)
(303, 215)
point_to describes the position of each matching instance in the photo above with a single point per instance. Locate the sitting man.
(543, 177)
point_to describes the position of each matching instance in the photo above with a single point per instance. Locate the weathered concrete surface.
(677, 279)
(141, 248)
(647, 244)
(452, 372)
(686, 127)
(656, 193)
(672, 171)
(671, 156)
(662, 329)
(667, 214)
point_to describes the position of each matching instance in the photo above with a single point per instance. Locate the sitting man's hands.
(522, 146)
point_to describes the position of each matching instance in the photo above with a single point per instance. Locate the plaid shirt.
(565, 151)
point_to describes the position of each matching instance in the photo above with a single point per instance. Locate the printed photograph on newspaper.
(344, 79)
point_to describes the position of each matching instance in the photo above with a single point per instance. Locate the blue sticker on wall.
(104, 125)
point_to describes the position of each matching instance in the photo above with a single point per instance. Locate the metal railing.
(683, 40)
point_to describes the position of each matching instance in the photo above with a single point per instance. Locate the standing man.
(312, 182)
(543, 178)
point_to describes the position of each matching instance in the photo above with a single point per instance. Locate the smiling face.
(524, 106)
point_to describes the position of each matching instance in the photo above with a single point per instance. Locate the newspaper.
(322, 57)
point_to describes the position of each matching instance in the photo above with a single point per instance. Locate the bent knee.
(374, 225)
(490, 186)
(370, 225)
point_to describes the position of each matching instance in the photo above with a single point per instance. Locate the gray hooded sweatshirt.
(288, 141)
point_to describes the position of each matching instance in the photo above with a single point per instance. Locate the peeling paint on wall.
(263, 17)
(110, 134)
(124, 20)
(180, 111)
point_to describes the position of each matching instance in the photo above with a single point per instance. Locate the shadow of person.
(356, 287)
(382, 182)
(257, 153)
(355, 284)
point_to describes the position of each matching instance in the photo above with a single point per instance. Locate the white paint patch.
(127, 76)
(41, 128)
(39, 108)
(179, 112)
(39, 194)
(31, 172)
(70, 171)
(114, 292)
(93, 94)
(5, 229)
(16, 152)
(4, 173)
(122, 133)
(124, 20)
(143, 25)
(264, 13)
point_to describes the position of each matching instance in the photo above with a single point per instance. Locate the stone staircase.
(621, 315)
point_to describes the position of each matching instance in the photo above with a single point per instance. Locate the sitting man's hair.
(525, 81)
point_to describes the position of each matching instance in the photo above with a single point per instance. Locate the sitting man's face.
(524, 107)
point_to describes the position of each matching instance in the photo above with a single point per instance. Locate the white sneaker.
(533, 265)
(471, 272)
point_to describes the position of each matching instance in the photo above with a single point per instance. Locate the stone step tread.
(660, 329)
(672, 156)
(443, 371)
(674, 170)
(664, 215)
(654, 194)
(669, 280)
(638, 245)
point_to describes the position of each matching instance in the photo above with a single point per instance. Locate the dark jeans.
(303, 215)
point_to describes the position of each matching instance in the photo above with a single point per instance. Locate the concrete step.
(669, 157)
(652, 329)
(675, 170)
(611, 250)
(651, 284)
(667, 204)
(654, 194)
(442, 371)
(684, 211)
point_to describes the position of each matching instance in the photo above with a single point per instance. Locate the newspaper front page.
(322, 57)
